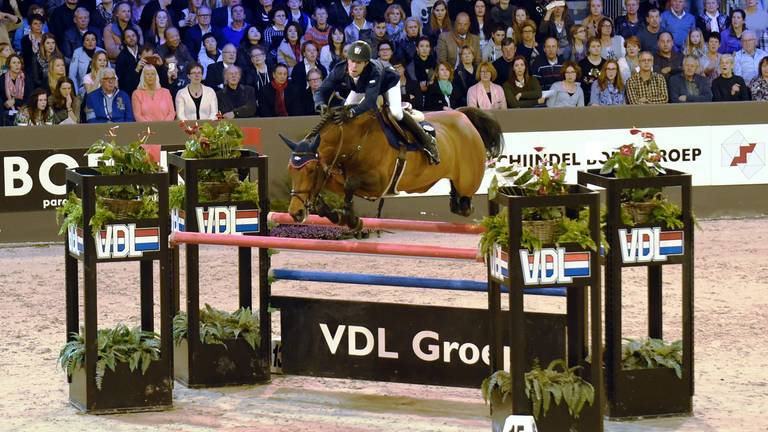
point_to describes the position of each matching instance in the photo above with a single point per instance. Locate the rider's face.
(355, 68)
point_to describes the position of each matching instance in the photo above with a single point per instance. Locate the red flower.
(627, 150)
(655, 158)
(634, 131)
(204, 143)
(647, 136)
(219, 116)
(183, 124)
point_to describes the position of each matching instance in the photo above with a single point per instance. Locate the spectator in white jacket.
(196, 101)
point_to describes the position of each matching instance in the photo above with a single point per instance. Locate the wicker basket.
(123, 209)
(217, 191)
(640, 211)
(544, 230)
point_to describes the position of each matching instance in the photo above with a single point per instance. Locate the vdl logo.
(543, 266)
(219, 220)
(645, 245)
(117, 241)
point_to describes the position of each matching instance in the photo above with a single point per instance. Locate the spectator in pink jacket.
(150, 101)
(485, 94)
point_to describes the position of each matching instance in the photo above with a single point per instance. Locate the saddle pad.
(396, 142)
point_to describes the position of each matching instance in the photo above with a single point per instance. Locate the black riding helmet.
(359, 51)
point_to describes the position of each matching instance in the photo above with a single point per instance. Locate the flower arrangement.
(118, 201)
(214, 140)
(642, 205)
(542, 224)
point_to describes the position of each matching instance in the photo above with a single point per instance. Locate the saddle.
(398, 138)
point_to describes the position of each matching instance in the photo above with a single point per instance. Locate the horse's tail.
(489, 129)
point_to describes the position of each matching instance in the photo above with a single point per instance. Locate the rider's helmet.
(359, 51)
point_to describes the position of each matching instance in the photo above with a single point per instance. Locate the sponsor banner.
(714, 155)
(219, 220)
(34, 179)
(646, 245)
(117, 241)
(403, 343)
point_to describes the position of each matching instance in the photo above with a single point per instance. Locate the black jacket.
(193, 39)
(299, 100)
(462, 81)
(241, 101)
(125, 69)
(215, 76)
(299, 73)
(435, 101)
(338, 16)
(375, 80)
(73, 40)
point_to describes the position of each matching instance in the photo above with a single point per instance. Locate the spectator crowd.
(98, 61)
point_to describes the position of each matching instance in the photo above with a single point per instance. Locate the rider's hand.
(341, 116)
(321, 108)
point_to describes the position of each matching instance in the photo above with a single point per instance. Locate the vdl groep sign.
(219, 220)
(117, 241)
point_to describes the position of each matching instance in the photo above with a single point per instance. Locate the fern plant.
(134, 346)
(543, 386)
(244, 191)
(652, 353)
(216, 326)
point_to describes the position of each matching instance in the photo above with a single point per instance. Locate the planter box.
(217, 365)
(649, 392)
(558, 419)
(123, 390)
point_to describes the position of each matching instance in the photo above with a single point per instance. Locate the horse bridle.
(327, 170)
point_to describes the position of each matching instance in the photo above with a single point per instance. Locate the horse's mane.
(324, 119)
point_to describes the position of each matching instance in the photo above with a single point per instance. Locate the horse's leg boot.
(426, 140)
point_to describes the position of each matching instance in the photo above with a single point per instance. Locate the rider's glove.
(342, 115)
(321, 108)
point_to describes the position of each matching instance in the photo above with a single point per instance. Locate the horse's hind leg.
(460, 205)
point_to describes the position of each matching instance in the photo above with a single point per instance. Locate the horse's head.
(306, 175)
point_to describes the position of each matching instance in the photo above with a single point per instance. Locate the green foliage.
(630, 161)
(496, 232)
(214, 140)
(543, 386)
(666, 213)
(216, 326)
(542, 179)
(134, 346)
(652, 353)
(499, 381)
(577, 231)
(244, 191)
(69, 213)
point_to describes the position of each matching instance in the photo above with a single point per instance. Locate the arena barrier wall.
(33, 158)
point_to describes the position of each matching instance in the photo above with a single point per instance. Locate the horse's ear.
(291, 145)
(315, 143)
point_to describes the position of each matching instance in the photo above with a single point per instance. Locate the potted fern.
(128, 369)
(228, 353)
(650, 353)
(557, 396)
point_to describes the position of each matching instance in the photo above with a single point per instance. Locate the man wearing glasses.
(646, 86)
(747, 59)
(193, 35)
(108, 104)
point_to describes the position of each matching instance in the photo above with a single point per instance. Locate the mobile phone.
(171, 67)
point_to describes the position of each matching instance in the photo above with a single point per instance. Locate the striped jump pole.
(423, 251)
(400, 281)
(389, 224)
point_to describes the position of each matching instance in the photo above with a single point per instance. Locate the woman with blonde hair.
(592, 21)
(150, 101)
(694, 44)
(394, 17)
(609, 87)
(57, 69)
(486, 94)
(90, 83)
(47, 51)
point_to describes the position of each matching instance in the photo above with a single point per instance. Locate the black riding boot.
(426, 140)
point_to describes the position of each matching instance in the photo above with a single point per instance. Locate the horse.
(355, 159)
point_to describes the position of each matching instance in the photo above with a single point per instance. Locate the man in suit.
(193, 36)
(303, 93)
(215, 76)
(340, 14)
(73, 37)
(236, 100)
(108, 104)
(449, 43)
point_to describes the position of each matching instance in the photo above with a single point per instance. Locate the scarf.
(296, 48)
(89, 52)
(15, 89)
(446, 87)
(424, 68)
(280, 98)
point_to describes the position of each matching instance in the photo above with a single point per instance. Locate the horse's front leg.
(348, 217)
(322, 209)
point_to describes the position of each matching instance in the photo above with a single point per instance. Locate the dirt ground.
(731, 371)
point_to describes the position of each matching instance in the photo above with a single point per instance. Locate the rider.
(368, 79)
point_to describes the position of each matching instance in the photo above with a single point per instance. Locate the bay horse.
(356, 159)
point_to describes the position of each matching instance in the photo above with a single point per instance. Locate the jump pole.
(422, 251)
(400, 281)
(389, 224)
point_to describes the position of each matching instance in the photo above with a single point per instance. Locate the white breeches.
(392, 96)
